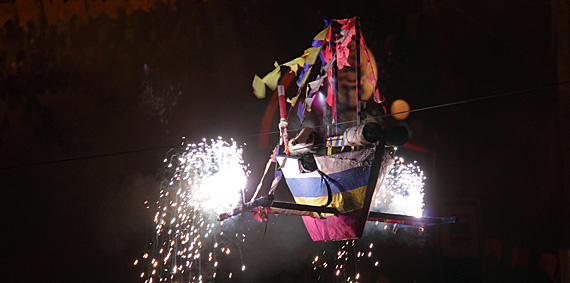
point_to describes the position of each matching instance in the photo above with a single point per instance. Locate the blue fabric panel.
(341, 182)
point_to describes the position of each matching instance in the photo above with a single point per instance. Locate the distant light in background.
(398, 106)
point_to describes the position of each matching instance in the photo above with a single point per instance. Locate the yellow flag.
(258, 87)
(272, 78)
(295, 64)
(293, 100)
(313, 53)
(323, 34)
(269, 80)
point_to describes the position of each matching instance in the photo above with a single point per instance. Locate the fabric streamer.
(347, 31)
(371, 78)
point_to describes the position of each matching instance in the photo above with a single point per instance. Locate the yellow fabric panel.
(343, 202)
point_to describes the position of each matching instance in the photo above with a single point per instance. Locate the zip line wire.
(89, 157)
(456, 8)
(508, 93)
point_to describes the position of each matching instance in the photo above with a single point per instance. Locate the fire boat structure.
(340, 157)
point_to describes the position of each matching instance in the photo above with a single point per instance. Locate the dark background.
(94, 93)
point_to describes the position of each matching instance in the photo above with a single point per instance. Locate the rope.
(508, 93)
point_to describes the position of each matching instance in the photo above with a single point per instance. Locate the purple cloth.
(335, 228)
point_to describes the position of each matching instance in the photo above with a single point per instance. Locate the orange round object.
(400, 106)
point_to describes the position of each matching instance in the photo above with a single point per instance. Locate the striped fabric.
(347, 177)
(336, 141)
(346, 174)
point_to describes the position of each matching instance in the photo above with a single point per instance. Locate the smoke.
(189, 245)
(122, 216)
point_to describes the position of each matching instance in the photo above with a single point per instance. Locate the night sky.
(93, 94)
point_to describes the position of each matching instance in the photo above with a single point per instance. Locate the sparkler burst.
(402, 190)
(206, 180)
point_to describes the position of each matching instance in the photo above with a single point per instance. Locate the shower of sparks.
(205, 180)
(341, 265)
(402, 191)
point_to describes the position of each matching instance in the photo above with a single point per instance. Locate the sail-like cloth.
(338, 181)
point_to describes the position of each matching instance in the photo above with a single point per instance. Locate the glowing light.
(400, 106)
(401, 191)
(205, 180)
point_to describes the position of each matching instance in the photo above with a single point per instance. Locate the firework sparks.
(206, 180)
(402, 190)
